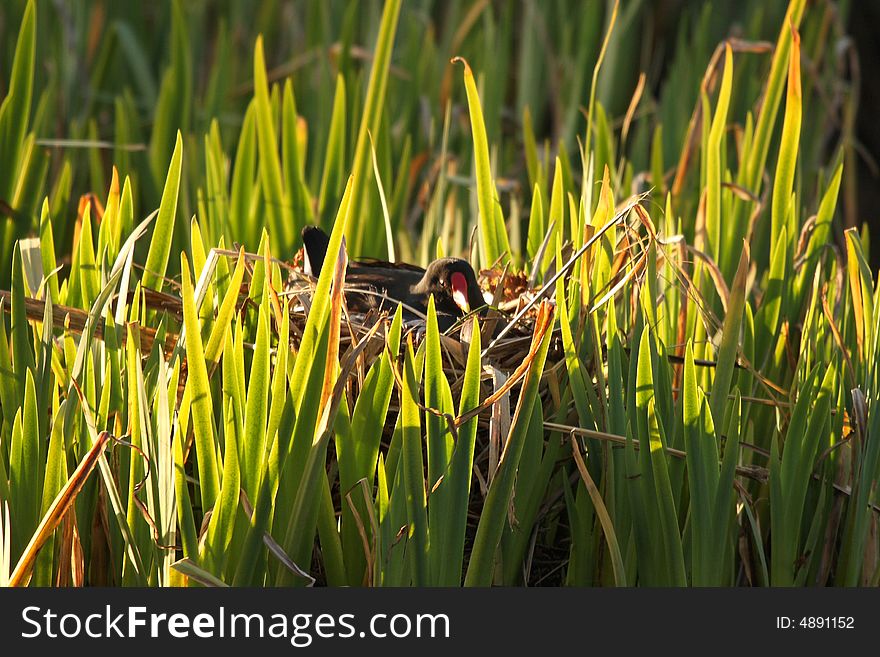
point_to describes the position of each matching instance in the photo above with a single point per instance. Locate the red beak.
(459, 291)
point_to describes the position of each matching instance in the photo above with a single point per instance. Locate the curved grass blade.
(160, 245)
(604, 517)
(714, 158)
(493, 234)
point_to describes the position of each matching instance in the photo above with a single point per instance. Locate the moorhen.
(451, 280)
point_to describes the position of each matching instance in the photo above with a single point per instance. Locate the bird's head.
(454, 285)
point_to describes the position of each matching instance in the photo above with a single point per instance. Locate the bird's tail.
(315, 243)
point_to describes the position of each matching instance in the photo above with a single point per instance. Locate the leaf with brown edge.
(55, 514)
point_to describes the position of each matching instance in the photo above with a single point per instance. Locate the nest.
(511, 294)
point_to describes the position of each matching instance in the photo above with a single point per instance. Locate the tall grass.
(689, 395)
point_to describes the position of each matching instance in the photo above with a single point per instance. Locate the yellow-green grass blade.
(860, 288)
(536, 468)
(604, 517)
(322, 397)
(79, 375)
(293, 161)
(413, 473)
(440, 442)
(788, 147)
(279, 385)
(756, 157)
(306, 379)
(449, 522)
(277, 201)
(334, 157)
(174, 102)
(108, 239)
(714, 158)
(56, 475)
(90, 283)
(162, 476)
(331, 545)
(577, 381)
(57, 510)
(359, 233)
(201, 407)
(160, 245)
(860, 513)
(357, 449)
(493, 234)
(215, 549)
(702, 455)
(768, 317)
(533, 165)
(653, 563)
(591, 105)
(199, 258)
(556, 215)
(727, 353)
(395, 565)
(194, 573)
(26, 465)
(47, 254)
(243, 190)
(320, 307)
(22, 351)
(723, 516)
(257, 405)
(671, 536)
(386, 215)
(801, 450)
(821, 233)
(138, 418)
(480, 571)
(226, 312)
(783, 535)
(15, 109)
(305, 513)
(537, 225)
(582, 520)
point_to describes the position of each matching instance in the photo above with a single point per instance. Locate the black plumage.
(451, 281)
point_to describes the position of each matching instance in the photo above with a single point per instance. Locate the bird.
(451, 281)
